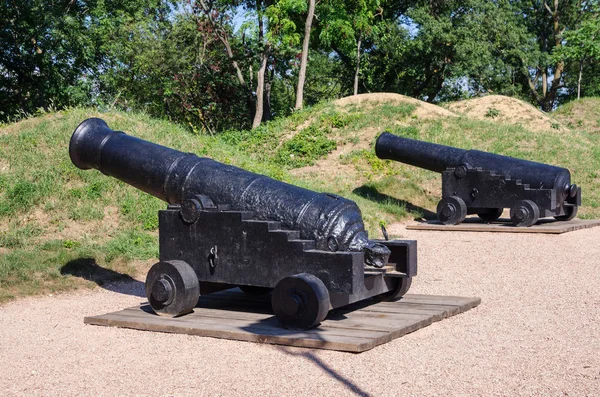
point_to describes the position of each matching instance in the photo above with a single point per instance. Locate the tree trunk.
(268, 85)
(304, 60)
(260, 89)
(260, 78)
(357, 65)
(544, 83)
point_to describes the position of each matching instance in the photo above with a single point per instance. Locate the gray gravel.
(536, 332)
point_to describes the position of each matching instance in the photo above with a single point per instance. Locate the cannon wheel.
(172, 288)
(570, 213)
(525, 213)
(401, 290)
(491, 215)
(451, 210)
(300, 301)
(255, 291)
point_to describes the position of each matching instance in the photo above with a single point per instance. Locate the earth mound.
(423, 110)
(503, 109)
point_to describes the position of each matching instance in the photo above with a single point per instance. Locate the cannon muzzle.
(335, 223)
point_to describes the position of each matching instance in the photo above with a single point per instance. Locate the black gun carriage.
(226, 227)
(477, 182)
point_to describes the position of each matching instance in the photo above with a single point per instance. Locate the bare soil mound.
(424, 109)
(503, 109)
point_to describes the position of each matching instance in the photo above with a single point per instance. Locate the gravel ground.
(536, 332)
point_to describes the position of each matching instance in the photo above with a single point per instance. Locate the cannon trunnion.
(226, 227)
(476, 182)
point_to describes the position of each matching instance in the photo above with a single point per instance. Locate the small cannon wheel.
(570, 213)
(300, 301)
(491, 215)
(255, 291)
(451, 210)
(525, 213)
(172, 288)
(401, 290)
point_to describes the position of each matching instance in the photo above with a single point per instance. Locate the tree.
(345, 25)
(44, 55)
(581, 45)
(269, 33)
(438, 50)
(60, 53)
(214, 18)
(545, 22)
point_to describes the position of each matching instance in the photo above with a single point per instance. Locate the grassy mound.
(61, 227)
(582, 114)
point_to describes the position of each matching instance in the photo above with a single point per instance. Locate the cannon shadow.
(351, 386)
(371, 193)
(88, 269)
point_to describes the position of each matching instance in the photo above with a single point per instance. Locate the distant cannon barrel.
(333, 222)
(438, 158)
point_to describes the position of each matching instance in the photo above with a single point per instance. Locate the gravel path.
(536, 332)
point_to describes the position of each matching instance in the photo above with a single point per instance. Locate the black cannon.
(476, 182)
(226, 227)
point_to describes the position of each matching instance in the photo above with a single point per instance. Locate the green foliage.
(52, 52)
(411, 131)
(169, 59)
(309, 144)
(492, 113)
(69, 244)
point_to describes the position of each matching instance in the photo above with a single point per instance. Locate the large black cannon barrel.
(437, 158)
(334, 222)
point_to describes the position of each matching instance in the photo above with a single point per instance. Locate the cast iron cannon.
(226, 227)
(476, 182)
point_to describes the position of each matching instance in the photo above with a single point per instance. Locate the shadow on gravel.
(354, 388)
(373, 194)
(88, 269)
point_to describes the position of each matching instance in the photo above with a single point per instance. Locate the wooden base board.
(355, 328)
(548, 226)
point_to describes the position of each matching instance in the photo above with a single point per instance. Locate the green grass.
(62, 228)
(581, 114)
(52, 213)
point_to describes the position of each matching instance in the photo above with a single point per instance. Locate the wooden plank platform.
(474, 224)
(355, 328)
